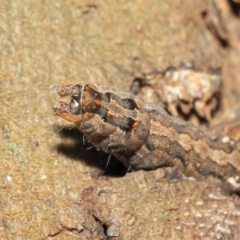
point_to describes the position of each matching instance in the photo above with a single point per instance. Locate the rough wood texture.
(48, 183)
(201, 214)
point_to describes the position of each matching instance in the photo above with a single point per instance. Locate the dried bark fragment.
(181, 91)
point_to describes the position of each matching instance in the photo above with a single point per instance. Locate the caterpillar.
(146, 137)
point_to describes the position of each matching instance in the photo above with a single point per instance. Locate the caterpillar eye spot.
(60, 106)
(135, 125)
(61, 90)
(138, 105)
(74, 107)
(109, 114)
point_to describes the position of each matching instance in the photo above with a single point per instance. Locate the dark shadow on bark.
(235, 7)
(81, 150)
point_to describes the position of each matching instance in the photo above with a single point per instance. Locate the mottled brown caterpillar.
(143, 137)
